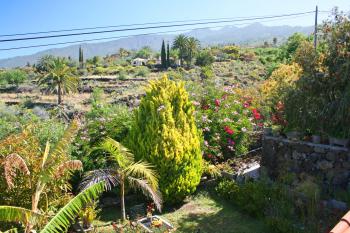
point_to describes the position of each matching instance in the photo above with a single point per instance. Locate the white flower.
(244, 129)
(195, 103)
(161, 107)
(206, 129)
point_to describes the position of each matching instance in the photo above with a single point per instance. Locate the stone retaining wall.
(329, 165)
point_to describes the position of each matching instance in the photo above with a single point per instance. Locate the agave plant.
(138, 175)
(54, 165)
(63, 218)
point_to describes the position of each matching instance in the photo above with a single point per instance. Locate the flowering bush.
(103, 120)
(225, 120)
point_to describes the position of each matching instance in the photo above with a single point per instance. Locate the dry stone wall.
(328, 165)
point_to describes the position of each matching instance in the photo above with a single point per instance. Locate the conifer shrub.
(164, 133)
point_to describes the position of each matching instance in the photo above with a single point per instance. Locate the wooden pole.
(315, 33)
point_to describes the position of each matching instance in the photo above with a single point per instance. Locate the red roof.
(343, 226)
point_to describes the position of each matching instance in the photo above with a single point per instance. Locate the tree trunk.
(59, 93)
(122, 203)
(35, 203)
(29, 227)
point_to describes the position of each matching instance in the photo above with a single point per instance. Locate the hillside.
(252, 34)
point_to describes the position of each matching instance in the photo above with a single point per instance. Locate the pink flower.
(231, 142)
(246, 104)
(217, 102)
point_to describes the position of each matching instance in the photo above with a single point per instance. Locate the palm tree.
(54, 166)
(138, 175)
(59, 78)
(180, 43)
(191, 49)
(62, 219)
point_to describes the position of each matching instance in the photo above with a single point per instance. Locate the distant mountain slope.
(245, 35)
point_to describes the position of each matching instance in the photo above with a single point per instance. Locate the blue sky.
(41, 15)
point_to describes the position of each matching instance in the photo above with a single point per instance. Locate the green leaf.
(62, 220)
(17, 214)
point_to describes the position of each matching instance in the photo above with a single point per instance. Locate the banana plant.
(55, 164)
(62, 219)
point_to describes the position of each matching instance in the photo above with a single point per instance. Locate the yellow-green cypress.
(164, 133)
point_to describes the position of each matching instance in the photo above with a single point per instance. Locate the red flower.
(209, 156)
(228, 130)
(256, 114)
(205, 107)
(217, 102)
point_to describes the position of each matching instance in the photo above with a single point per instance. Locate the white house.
(139, 62)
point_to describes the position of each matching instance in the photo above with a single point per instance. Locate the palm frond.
(147, 190)
(62, 220)
(61, 148)
(120, 154)
(46, 154)
(68, 166)
(17, 214)
(13, 230)
(109, 176)
(144, 171)
(12, 162)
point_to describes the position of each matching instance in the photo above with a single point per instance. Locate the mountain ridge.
(250, 34)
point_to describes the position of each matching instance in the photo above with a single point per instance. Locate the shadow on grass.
(206, 212)
(203, 212)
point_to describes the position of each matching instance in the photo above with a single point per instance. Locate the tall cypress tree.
(163, 55)
(81, 57)
(167, 55)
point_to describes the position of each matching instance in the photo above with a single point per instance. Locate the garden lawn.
(203, 212)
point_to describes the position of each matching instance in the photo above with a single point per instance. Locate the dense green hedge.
(164, 133)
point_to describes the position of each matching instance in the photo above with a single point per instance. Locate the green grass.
(203, 212)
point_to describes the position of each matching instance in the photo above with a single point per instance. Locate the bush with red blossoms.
(226, 122)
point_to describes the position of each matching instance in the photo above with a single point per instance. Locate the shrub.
(99, 70)
(175, 75)
(320, 102)
(12, 77)
(103, 120)
(280, 82)
(204, 58)
(14, 119)
(232, 51)
(141, 71)
(262, 199)
(206, 72)
(291, 46)
(308, 58)
(122, 75)
(164, 133)
(225, 119)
